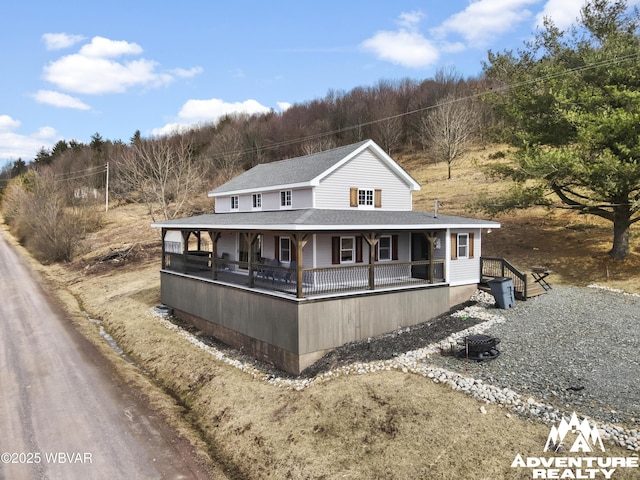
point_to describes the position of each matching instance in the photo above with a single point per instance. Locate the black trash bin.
(503, 291)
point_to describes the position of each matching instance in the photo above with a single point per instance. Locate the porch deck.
(499, 267)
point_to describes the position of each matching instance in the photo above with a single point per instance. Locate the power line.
(582, 68)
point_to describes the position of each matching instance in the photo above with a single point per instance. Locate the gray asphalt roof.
(286, 172)
(320, 219)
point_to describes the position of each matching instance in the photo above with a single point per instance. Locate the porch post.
(215, 236)
(250, 239)
(185, 240)
(164, 259)
(431, 238)
(299, 241)
(372, 239)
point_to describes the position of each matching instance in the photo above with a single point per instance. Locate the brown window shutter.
(454, 246)
(335, 250)
(293, 254)
(353, 197)
(358, 249)
(394, 247)
(470, 245)
(276, 254)
(377, 198)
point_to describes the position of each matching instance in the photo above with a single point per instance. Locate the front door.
(243, 250)
(419, 252)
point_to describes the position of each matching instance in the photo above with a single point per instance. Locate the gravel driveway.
(575, 348)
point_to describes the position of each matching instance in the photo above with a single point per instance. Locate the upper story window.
(256, 200)
(285, 198)
(365, 197)
(234, 202)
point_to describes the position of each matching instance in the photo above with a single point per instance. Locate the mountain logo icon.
(587, 437)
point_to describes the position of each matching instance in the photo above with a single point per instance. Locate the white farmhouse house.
(309, 253)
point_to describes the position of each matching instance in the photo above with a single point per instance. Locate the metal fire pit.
(478, 347)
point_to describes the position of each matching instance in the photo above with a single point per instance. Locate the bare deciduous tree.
(449, 128)
(163, 172)
(38, 208)
(225, 154)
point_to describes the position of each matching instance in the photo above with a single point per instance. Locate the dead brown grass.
(573, 246)
(387, 425)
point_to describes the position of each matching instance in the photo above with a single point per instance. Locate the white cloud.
(7, 123)
(101, 47)
(79, 74)
(410, 20)
(483, 20)
(45, 133)
(406, 46)
(215, 108)
(283, 106)
(564, 13)
(184, 73)
(14, 145)
(96, 69)
(57, 41)
(61, 100)
(195, 112)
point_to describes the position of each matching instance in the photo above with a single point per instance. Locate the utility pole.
(106, 191)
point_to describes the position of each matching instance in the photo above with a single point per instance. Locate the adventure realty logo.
(584, 439)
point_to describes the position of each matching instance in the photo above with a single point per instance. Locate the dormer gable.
(293, 183)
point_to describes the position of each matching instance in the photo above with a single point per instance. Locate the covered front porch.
(381, 260)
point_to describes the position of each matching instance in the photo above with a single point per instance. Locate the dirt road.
(62, 414)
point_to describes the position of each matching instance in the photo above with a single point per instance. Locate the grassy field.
(387, 425)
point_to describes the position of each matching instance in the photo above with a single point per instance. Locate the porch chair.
(273, 271)
(290, 274)
(221, 263)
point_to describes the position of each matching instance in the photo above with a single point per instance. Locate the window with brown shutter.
(353, 197)
(377, 198)
(454, 246)
(335, 250)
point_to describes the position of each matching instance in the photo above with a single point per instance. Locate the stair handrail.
(506, 267)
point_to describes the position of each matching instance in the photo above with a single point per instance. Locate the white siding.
(465, 270)
(323, 248)
(323, 251)
(223, 204)
(244, 203)
(301, 198)
(363, 171)
(271, 201)
(227, 244)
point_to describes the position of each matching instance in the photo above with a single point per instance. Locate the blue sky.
(74, 68)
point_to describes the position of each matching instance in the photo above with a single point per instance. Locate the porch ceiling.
(324, 220)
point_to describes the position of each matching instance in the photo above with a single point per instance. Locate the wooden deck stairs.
(525, 286)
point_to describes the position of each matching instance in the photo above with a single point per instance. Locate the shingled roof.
(299, 171)
(325, 220)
